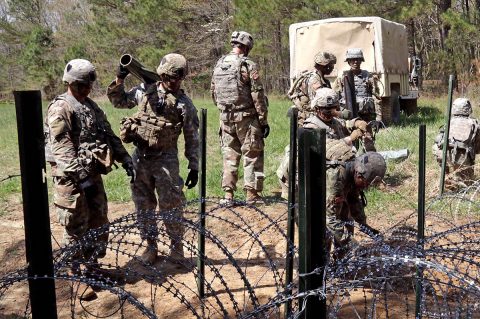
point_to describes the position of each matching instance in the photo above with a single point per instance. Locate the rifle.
(349, 93)
(138, 70)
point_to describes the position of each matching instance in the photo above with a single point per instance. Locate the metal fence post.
(312, 215)
(446, 133)
(202, 192)
(38, 244)
(421, 217)
(292, 181)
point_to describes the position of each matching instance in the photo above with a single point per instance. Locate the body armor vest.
(159, 121)
(230, 92)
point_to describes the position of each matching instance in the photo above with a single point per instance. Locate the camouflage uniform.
(464, 137)
(80, 146)
(241, 122)
(155, 130)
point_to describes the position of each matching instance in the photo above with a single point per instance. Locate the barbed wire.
(377, 276)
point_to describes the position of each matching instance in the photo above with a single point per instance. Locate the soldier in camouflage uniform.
(346, 181)
(325, 105)
(164, 111)
(80, 146)
(304, 87)
(366, 89)
(464, 144)
(238, 93)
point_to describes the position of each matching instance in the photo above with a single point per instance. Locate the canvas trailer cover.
(384, 45)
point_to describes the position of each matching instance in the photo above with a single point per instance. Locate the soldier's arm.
(338, 86)
(313, 84)
(212, 92)
(257, 92)
(357, 207)
(335, 189)
(120, 154)
(68, 163)
(121, 99)
(190, 133)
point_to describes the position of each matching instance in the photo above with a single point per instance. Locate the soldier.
(365, 93)
(346, 181)
(464, 143)
(325, 104)
(164, 111)
(303, 88)
(238, 93)
(80, 146)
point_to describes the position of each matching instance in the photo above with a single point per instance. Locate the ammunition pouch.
(128, 129)
(96, 155)
(154, 132)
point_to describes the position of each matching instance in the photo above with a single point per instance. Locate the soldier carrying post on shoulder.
(239, 95)
(80, 146)
(464, 144)
(359, 93)
(164, 111)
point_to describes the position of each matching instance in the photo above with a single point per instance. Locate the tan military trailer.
(385, 48)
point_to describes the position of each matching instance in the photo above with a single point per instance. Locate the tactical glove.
(85, 183)
(265, 130)
(361, 124)
(128, 166)
(192, 179)
(122, 72)
(356, 134)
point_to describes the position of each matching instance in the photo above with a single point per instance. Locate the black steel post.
(446, 133)
(38, 244)
(292, 181)
(202, 190)
(421, 216)
(312, 207)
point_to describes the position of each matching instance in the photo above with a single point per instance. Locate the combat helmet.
(324, 98)
(173, 64)
(354, 53)
(242, 37)
(325, 58)
(462, 107)
(371, 166)
(79, 71)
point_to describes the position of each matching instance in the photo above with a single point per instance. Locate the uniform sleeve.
(257, 92)
(335, 189)
(338, 85)
(120, 154)
(121, 99)
(60, 124)
(313, 84)
(357, 208)
(190, 133)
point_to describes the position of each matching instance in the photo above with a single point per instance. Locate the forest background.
(38, 37)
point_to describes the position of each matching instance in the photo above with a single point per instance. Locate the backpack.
(296, 94)
(338, 152)
(461, 144)
(229, 89)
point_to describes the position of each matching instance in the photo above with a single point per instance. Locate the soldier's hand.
(122, 72)
(356, 134)
(192, 179)
(361, 124)
(128, 166)
(265, 130)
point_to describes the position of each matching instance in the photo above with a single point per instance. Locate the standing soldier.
(80, 146)
(363, 88)
(238, 94)
(164, 112)
(464, 144)
(304, 87)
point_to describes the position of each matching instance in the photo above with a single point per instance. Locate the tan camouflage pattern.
(344, 203)
(241, 132)
(250, 78)
(80, 210)
(157, 166)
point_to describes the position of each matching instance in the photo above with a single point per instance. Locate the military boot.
(150, 253)
(228, 198)
(253, 197)
(86, 293)
(176, 251)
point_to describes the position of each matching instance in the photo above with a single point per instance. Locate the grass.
(402, 194)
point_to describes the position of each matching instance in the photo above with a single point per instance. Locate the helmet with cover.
(79, 71)
(242, 37)
(462, 107)
(173, 65)
(354, 53)
(325, 98)
(371, 166)
(325, 58)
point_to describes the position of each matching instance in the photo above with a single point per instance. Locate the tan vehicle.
(385, 48)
